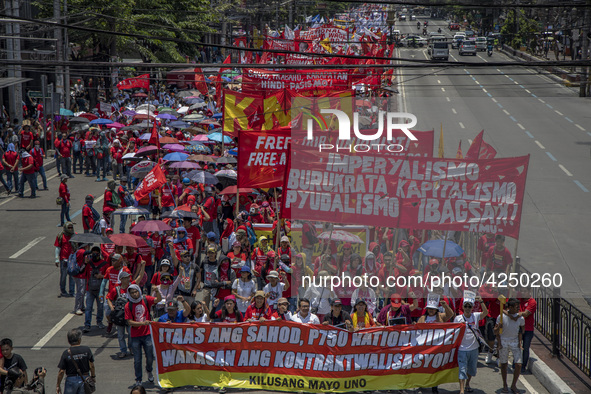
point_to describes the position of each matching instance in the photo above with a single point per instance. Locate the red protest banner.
(307, 82)
(262, 157)
(151, 182)
(287, 356)
(142, 81)
(369, 188)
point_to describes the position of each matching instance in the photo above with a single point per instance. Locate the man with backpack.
(95, 272)
(90, 216)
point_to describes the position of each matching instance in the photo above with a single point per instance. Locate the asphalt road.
(521, 112)
(34, 317)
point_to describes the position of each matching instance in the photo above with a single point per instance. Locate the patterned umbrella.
(142, 168)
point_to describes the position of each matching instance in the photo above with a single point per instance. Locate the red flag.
(151, 182)
(459, 154)
(155, 138)
(142, 81)
(480, 149)
(200, 81)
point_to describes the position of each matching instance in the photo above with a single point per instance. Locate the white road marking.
(559, 113)
(27, 189)
(462, 125)
(580, 127)
(520, 126)
(506, 112)
(539, 144)
(52, 332)
(29, 246)
(527, 386)
(454, 111)
(567, 172)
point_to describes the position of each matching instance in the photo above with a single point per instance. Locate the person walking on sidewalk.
(64, 193)
(38, 154)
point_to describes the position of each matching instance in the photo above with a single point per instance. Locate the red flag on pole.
(480, 149)
(200, 81)
(155, 138)
(142, 81)
(151, 182)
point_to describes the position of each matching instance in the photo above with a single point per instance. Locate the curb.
(546, 376)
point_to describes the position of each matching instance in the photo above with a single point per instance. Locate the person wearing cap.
(304, 315)
(190, 274)
(166, 288)
(337, 317)
(173, 315)
(259, 309)
(282, 313)
(396, 310)
(468, 350)
(64, 193)
(228, 313)
(275, 288)
(89, 215)
(244, 288)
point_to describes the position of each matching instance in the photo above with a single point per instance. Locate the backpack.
(118, 313)
(252, 237)
(94, 283)
(73, 268)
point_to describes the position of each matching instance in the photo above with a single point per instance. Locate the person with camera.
(77, 364)
(16, 382)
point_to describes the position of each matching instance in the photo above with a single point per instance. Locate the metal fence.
(563, 324)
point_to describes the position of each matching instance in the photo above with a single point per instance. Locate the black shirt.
(15, 362)
(336, 320)
(83, 357)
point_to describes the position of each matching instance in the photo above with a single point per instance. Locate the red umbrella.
(128, 240)
(88, 116)
(232, 190)
(151, 225)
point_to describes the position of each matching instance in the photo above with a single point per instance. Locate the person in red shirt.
(499, 257)
(65, 150)
(259, 310)
(64, 193)
(10, 161)
(27, 174)
(96, 268)
(63, 250)
(137, 314)
(38, 154)
(27, 138)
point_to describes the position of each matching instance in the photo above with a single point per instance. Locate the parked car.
(468, 47)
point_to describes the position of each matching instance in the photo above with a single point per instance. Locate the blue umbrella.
(176, 156)
(179, 124)
(434, 248)
(166, 116)
(66, 112)
(218, 115)
(101, 121)
(217, 137)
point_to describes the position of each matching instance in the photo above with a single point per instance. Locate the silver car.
(468, 47)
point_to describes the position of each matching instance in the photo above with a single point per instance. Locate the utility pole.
(585, 76)
(13, 47)
(59, 48)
